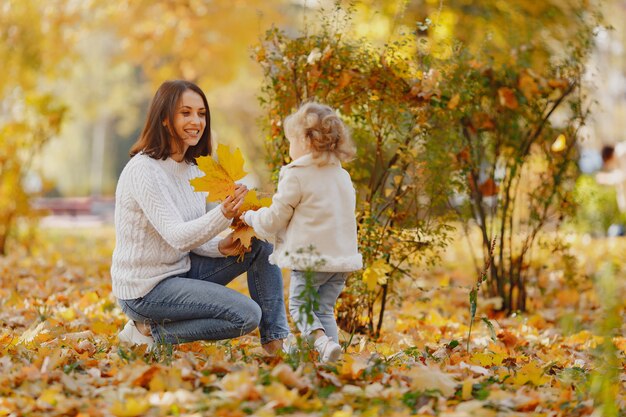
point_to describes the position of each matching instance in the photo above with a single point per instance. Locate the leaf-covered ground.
(60, 354)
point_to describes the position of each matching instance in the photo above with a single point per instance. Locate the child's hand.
(243, 218)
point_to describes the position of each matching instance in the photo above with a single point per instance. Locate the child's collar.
(307, 160)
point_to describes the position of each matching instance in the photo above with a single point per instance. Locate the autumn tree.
(34, 42)
(513, 128)
(375, 95)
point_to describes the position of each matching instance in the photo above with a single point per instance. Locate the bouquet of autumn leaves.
(219, 182)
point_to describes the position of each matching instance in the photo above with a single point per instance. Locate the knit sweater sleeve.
(268, 221)
(156, 200)
(210, 249)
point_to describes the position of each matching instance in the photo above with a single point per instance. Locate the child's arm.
(268, 221)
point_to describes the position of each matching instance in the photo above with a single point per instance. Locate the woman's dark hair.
(155, 139)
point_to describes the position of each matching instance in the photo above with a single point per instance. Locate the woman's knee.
(261, 247)
(251, 316)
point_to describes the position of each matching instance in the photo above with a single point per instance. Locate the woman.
(170, 269)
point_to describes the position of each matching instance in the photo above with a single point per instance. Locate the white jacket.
(311, 219)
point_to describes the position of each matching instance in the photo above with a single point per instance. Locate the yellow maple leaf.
(376, 273)
(219, 182)
(531, 372)
(253, 202)
(232, 163)
(487, 359)
(220, 176)
(243, 233)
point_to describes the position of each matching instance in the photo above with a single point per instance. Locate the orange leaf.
(144, 379)
(344, 79)
(482, 121)
(454, 101)
(488, 188)
(527, 86)
(554, 83)
(507, 98)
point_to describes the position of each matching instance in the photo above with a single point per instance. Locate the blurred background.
(77, 76)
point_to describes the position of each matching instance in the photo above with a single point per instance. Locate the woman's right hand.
(232, 203)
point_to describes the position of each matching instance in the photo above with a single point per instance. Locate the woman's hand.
(229, 247)
(232, 204)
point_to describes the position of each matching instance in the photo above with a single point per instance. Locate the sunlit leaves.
(164, 38)
(220, 176)
(376, 274)
(130, 407)
(559, 144)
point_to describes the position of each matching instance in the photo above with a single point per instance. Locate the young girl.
(312, 220)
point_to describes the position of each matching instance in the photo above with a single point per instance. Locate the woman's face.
(189, 119)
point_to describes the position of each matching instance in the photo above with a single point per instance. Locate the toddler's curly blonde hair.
(323, 131)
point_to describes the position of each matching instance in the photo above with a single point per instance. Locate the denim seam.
(210, 332)
(136, 312)
(274, 336)
(192, 305)
(260, 293)
(202, 277)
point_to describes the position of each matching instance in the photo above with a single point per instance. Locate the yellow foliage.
(487, 359)
(376, 274)
(560, 144)
(529, 373)
(131, 407)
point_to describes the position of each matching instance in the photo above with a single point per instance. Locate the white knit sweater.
(159, 219)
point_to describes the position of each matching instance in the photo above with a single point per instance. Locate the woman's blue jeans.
(199, 306)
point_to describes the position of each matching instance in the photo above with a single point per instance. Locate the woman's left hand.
(229, 247)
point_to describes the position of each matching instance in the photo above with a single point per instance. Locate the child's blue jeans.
(328, 286)
(199, 306)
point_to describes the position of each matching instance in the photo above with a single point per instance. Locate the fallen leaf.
(429, 378)
(131, 407)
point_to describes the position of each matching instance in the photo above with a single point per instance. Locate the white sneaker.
(329, 350)
(130, 334)
(290, 344)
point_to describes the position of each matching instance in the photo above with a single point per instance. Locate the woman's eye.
(185, 113)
